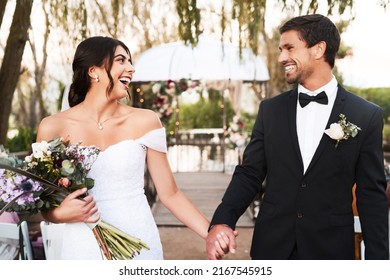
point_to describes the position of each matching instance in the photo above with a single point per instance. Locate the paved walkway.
(205, 190)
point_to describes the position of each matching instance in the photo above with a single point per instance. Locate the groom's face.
(296, 58)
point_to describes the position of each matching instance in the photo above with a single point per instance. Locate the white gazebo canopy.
(209, 61)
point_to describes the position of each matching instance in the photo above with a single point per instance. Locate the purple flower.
(13, 186)
(26, 185)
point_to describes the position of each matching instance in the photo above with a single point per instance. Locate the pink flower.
(65, 182)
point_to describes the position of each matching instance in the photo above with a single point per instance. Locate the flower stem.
(102, 243)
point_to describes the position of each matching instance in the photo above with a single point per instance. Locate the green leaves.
(189, 25)
(342, 130)
(68, 168)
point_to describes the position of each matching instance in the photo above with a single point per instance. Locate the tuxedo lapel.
(334, 117)
(292, 124)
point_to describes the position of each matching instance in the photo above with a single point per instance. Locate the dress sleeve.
(155, 139)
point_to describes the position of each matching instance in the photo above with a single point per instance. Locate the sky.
(369, 37)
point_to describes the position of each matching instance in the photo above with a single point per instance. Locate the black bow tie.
(305, 99)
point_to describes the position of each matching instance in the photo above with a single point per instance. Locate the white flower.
(40, 149)
(28, 159)
(342, 130)
(335, 131)
(156, 88)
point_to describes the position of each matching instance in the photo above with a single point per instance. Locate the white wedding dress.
(119, 193)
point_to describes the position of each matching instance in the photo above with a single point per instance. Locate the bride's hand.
(72, 209)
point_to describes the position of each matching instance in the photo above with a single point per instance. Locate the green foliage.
(206, 113)
(61, 88)
(249, 122)
(250, 15)
(386, 134)
(189, 25)
(379, 96)
(22, 141)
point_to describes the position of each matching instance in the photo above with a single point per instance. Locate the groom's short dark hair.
(313, 29)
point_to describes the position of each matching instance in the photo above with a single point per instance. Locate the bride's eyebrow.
(123, 57)
(120, 55)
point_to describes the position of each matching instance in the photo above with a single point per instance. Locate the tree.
(3, 4)
(144, 22)
(75, 21)
(10, 68)
(251, 28)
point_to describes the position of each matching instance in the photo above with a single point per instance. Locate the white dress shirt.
(312, 120)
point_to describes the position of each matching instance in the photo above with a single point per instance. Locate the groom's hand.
(220, 241)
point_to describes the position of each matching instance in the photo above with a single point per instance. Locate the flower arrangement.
(236, 135)
(43, 180)
(162, 105)
(342, 130)
(167, 93)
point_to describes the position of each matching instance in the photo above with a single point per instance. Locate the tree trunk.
(10, 68)
(3, 4)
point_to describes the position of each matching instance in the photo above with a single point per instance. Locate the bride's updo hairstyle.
(94, 51)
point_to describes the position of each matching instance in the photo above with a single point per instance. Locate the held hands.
(72, 209)
(220, 241)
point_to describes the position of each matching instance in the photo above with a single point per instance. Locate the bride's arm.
(172, 198)
(72, 209)
(180, 205)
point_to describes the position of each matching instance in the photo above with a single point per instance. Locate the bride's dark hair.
(94, 51)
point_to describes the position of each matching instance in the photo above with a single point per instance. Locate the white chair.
(9, 241)
(358, 229)
(52, 239)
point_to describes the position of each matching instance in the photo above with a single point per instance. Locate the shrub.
(22, 141)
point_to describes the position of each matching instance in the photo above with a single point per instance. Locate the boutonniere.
(342, 130)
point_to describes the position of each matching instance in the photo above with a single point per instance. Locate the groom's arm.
(371, 184)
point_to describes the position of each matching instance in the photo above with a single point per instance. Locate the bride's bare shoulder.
(54, 125)
(147, 119)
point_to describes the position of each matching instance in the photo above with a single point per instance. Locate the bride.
(127, 138)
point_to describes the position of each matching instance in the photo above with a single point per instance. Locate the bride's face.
(122, 72)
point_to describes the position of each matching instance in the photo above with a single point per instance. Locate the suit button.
(304, 185)
(299, 215)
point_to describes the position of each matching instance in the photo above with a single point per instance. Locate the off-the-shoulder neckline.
(125, 140)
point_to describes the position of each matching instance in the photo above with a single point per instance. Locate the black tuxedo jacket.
(312, 211)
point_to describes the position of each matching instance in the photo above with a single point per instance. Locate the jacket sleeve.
(370, 192)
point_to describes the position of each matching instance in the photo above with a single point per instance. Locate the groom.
(306, 212)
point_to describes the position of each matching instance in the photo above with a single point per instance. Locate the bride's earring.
(96, 78)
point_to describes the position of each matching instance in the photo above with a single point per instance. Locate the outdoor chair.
(52, 239)
(10, 241)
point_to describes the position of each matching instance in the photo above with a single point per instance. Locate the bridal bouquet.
(46, 177)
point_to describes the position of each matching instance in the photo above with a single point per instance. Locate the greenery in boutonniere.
(342, 130)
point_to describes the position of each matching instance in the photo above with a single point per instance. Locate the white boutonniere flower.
(342, 130)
